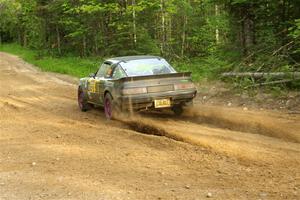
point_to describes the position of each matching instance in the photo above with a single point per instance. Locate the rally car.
(136, 83)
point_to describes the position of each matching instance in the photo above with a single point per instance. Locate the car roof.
(129, 58)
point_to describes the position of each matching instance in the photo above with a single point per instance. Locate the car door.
(91, 89)
(103, 75)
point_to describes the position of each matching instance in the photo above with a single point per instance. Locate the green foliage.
(218, 35)
(295, 31)
(207, 68)
(295, 34)
(8, 19)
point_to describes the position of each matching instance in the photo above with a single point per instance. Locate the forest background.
(207, 37)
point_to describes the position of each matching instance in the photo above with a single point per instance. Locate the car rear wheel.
(82, 101)
(111, 108)
(177, 109)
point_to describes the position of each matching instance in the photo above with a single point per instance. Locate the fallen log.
(294, 112)
(291, 75)
(272, 82)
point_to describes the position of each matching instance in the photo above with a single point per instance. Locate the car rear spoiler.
(171, 75)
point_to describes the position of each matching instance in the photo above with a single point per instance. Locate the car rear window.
(146, 67)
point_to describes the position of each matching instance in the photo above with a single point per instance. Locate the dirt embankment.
(50, 150)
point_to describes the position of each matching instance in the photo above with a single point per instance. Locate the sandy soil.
(51, 150)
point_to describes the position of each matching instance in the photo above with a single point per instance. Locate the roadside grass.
(75, 66)
(206, 68)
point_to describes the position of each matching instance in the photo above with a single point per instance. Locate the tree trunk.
(183, 36)
(96, 44)
(84, 46)
(134, 23)
(168, 33)
(217, 13)
(248, 32)
(283, 25)
(247, 29)
(58, 40)
(163, 31)
(19, 37)
(25, 39)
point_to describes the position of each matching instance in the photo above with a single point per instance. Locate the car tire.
(82, 101)
(111, 108)
(177, 109)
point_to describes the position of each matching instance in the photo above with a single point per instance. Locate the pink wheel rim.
(80, 99)
(108, 110)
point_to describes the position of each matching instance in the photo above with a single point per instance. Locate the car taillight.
(130, 91)
(183, 86)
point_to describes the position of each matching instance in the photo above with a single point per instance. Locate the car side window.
(118, 73)
(105, 71)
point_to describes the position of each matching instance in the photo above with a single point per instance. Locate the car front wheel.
(82, 102)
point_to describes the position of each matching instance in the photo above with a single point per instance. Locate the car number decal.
(92, 85)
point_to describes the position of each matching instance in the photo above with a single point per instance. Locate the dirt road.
(51, 150)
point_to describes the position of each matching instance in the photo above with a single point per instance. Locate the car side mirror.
(92, 75)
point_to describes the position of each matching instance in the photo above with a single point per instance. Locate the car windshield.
(145, 67)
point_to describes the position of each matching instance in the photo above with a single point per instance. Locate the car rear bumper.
(146, 101)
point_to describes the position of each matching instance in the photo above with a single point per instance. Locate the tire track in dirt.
(246, 121)
(219, 136)
(281, 126)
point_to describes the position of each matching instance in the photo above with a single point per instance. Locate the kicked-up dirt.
(51, 150)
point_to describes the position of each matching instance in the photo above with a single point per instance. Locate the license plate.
(162, 103)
